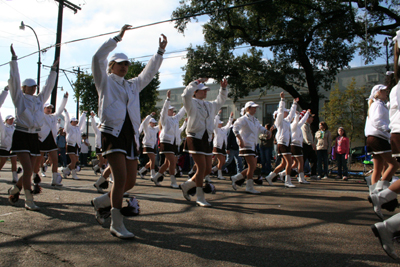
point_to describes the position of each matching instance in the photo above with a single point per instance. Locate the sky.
(95, 17)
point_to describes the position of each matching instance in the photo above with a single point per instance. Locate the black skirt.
(48, 144)
(25, 143)
(198, 146)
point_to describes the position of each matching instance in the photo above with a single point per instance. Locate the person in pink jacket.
(342, 148)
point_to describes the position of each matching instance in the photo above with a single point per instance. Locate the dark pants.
(63, 156)
(83, 157)
(309, 153)
(322, 158)
(341, 163)
(266, 157)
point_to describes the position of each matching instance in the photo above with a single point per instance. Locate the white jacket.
(282, 124)
(29, 115)
(178, 137)
(97, 133)
(249, 128)
(170, 124)
(221, 134)
(150, 133)
(50, 122)
(377, 123)
(394, 111)
(118, 96)
(295, 127)
(73, 136)
(201, 113)
(6, 130)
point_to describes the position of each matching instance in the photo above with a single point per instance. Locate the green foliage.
(347, 109)
(311, 42)
(85, 90)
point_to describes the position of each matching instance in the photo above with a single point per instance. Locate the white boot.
(98, 183)
(384, 231)
(66, 171)
(156, 178)
(96, 170)
(29, 204)
(250, 187)
(381, 198)
(220, 176)
(207, 179)
(201, 200)
(214, 169)
(152, 173)
(14, 177)
(73, 174)
(269, 178)
(185, 187)
(117, 227)
(301, 179)
(288, 182)
(368, 180)
(141, 171)
(56, 179)
(44, 169)
(101, 202)
(380, 185)
(173, 182)
(282, 175)
(236, 178)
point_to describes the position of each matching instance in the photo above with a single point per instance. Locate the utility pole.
(75, 8)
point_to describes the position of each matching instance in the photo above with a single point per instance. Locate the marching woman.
(150, 128)
(6, 131)
(178, 171)
(169, 135)
(199, 131)
(29, 119)
(101, 166)
(296, 145)
(247, 129)
(220, 142)
(73, 128)
(282, 123)
(47, 138)
(119, 112)
(385, 230)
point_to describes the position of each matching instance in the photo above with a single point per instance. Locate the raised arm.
(293, 109)
(50, 82)
(281, 108)
(14, 83)
(222, 96)
(304, 119)
(82, 121)
(164, 110)
(182, 128)
(67, 123)
(93, 124)
(62, 105)
(180, 114)
(145, 123)
(3, 96)
(216, 119)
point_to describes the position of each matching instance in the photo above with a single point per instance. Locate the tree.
(311, 42)
(347, 109)
(85, 90)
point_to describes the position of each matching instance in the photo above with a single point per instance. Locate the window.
(268, 112)
(372, 77)
(224, 115)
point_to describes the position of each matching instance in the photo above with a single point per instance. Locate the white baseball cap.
(29, 82)
(376, 89)
(153, 120)
(171, 107)
(9, 117)
(201, 86)
(251, 104)
(48, 105)
(73, 119)
(119, 57)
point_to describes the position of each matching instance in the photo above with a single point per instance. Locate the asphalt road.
(326, 223)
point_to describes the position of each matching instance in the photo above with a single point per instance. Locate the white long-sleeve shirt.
(394, 111)
(29, 115)
(377, 123)
(74, 137)
(221, 134)
(50, 122)
(170, 124)
(150, 133)
(118, 96)
(6, 130)
(295, 127)
(282, 124)
(249, 129)
(201, 113)
(97, 133)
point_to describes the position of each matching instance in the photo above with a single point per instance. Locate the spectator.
(266, 148)
(323, 140)
(61, 143)
(83, 156)
(309, 146)
(342, 148)
(232, 150)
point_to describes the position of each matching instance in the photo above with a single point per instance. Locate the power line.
(141, 26)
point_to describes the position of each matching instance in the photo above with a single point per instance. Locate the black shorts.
(124, 143)
(73, 150)
(166, 148)
(25, 143)
(377, 145)
(48, 144)
(198, 146)
(6, 153)
(395, 144)
(149, 150)
(283, 150)
(246, 152)
(221, 151)
(297, 151)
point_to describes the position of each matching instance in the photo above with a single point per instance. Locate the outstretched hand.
(123, 29)
(12, 51)
(163, 43)
(168, 93)
(224, 83)
(282, 94)
(55, 63)
(202, 80)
